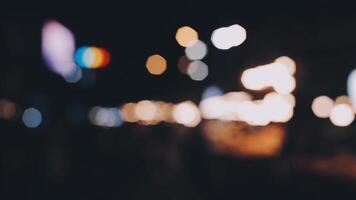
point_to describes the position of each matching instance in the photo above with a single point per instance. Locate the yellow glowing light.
(187, 113)
(128, 112)
(186, 36)
(287, 62)
(156, 64)
(322, 106)
(146, 110)
(98, 58)
(342, 115)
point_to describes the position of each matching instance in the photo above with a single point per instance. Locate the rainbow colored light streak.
(92, 57)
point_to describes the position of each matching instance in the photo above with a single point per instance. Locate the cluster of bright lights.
(148, 112)
(239, 106)
(92, 57)
(275, 107)
(195, 50)
(227, 37)
(340, 112)
(277, 75)
(239, 139)
(105, 117)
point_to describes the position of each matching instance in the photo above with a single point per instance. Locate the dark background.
(67, 158)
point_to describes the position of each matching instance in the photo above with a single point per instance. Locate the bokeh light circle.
(92, 57)
(186, 36)
(156, 64)
(32, 117)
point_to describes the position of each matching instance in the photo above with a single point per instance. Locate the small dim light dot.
(156, 64)
(7, 109)
(186, 36)
(183, 64)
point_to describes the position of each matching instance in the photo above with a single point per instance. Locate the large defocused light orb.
(197, 51)
(227, 37)
(351, 86)
(186, 36)
(342, 115)
(322, 106)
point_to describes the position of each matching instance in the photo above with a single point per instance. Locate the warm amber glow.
(241, 140)
(146, 110)
(342, 115)
(164, 112)
(7, 109)
(343, 100)
(128, 112)
(322, 106)
(187, 113)
(156, 64)
(186, 36)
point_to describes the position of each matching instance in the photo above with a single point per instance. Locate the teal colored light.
(79, 57)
